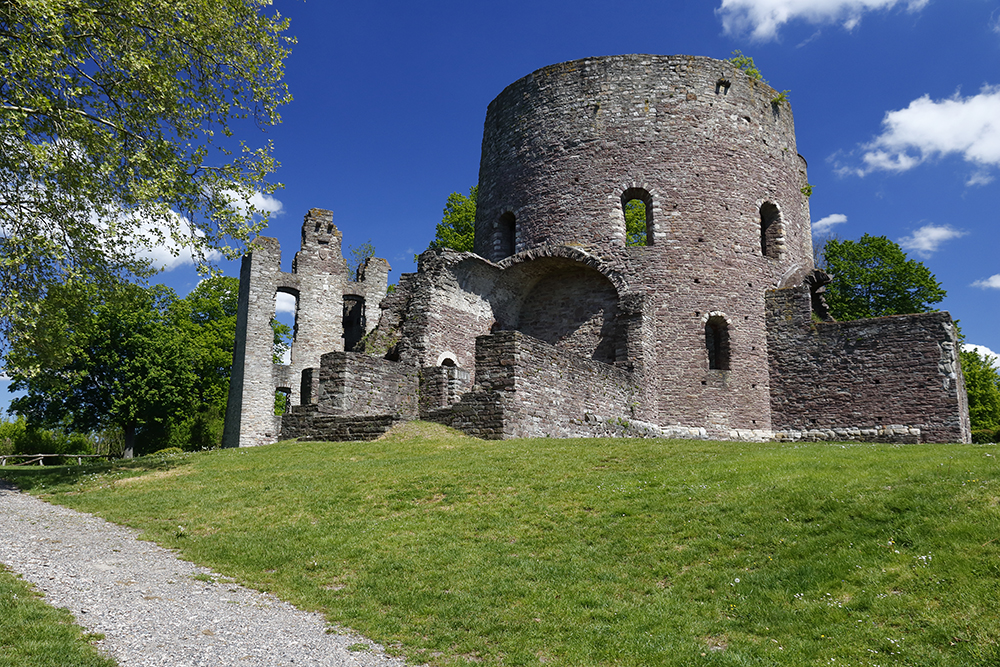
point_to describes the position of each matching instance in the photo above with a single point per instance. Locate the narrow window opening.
(770, 230)
(717, 343)
(507, 236)
(284, 325)
(282, 400)
(637, 205)
(354, 322)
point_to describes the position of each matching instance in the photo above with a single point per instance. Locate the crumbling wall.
(358, 384)
(318, 281)
(884, 379)
(526, 387)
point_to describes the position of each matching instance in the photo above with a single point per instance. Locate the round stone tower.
(710, 154)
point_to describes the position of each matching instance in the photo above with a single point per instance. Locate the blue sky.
(896, 106)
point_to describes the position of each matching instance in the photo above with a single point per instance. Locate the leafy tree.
(116, 118)
(872, 277)
(982, 384)
(135, 360)
(457, 227)
(124, 364)
(635, 222)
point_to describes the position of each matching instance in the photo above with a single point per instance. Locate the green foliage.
(872, 278)
(131, 360)
(982, 385)
(457, 227)
(594, 552)
(34, 634)
(746, 64)
(357, 258)
(282, 341)
(986, 436)
(635, 223)
(780, 98)
(116, 123)
(280, 403)
(807, 190)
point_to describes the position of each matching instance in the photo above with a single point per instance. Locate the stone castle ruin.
(554, 326)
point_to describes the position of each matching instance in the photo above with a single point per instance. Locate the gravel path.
(149, 606)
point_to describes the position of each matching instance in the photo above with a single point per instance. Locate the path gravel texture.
(148, 603)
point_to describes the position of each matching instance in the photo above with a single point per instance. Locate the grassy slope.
(34, 634)
(579, 552)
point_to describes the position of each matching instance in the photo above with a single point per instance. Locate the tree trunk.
(129, 441)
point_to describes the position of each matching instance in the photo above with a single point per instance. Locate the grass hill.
(456, 551)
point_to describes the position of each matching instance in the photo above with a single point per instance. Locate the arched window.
(770, 229)
(717, 343)
(637, 205)
(506, 236)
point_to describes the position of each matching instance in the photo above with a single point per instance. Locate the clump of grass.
(626, 552)
(34, 634)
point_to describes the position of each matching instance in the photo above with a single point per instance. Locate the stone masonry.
(555, 327)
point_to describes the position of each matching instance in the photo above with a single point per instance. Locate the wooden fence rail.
(31, 459)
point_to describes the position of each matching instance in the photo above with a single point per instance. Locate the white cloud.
(928, 239)
(284, 303)
(763, 18)
(993, 282)
(258, 201)
(968, 126)
(984, 352)
(824, 225)
(166, 254)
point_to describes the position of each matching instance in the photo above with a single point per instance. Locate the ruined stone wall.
(356, 384)
(884, 379)
(536, 390)
(318, 281)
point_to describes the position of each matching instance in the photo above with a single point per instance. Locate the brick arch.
(565, 297)
(569, 253)
(637, 188)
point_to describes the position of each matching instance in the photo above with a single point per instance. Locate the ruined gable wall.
(887, 378)
(317, 280)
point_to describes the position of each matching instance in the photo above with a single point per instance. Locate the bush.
(19, 437)
(985, 435)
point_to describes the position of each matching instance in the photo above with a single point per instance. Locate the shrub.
(985, 435)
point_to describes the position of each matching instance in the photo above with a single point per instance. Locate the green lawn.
(34, 634)
(452, 550)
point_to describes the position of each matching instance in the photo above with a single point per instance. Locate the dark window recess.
(770, 230)
(717, 343)
(354, 322)
(506, 236)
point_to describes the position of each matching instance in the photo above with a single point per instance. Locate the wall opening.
(354, 321)
(717, 343)
(282, 400)
(506, 236)
(573, 307)
(770, 230)
(637, 205)
(284, 324)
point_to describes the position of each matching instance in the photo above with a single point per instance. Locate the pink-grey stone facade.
(554, 326)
